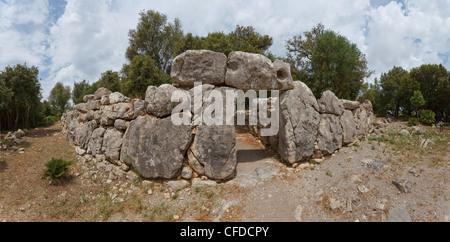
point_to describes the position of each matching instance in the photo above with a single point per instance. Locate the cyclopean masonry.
(142, 135)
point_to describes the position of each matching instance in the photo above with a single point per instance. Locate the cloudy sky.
(79, 39)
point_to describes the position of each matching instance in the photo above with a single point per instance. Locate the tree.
(328, 61)
(5, 99)
(218, 42)
(142, 72)
(373, 93)
(417, 102)
(397, 89)
(156, 38)
(110, 80)
(22, 81)
(300, 50)
(434, 85)
(248, 40)
(59, 97)
(80, 89)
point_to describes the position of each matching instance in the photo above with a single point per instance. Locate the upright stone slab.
(214, 149)
(248, 71)
(330, 104)
(329, 137)
(348, 127)
(203, 66)
(155, 147)
(299, 121)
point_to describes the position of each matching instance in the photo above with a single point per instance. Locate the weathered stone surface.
(330, 104)
(199, 183)
(89, 97)
(93, 105)
(214, 149)
(350, 105)
(81, 107)
(363, 121)
(402, 184)
(83, 135)
(110, 113)
(120, 124)
(376, 165)
(329, 137)
(348, 127)
(178, 185)
(100, 93)
(203, 66)
(140, 107)
(156, 148)
(299, 121)
(248, 71)
(116, 97)
(159, 100)
(112, 143)
(398, 214)
(368, 105)
(96, 142)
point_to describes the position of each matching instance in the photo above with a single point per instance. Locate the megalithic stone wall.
(139, 134)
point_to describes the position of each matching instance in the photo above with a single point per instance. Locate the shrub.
(49, 121)
(413, 122)
(428, 117)
(56, 169)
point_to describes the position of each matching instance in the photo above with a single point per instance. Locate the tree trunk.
(16, 124)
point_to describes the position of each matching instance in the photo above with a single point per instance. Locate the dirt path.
(343, 188)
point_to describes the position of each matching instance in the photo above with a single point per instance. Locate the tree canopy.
(325, 60)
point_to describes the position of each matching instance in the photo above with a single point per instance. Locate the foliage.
(325, 60)
(56, 169)
(156, 38)
(141, 73)
(398, 87)
(20, 99)
(427, 117)
(49, 121)
(79, 91)
(413, 122)
(435, 88)
(59, 98)
(417, 101)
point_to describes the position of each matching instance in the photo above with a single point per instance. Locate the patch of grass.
(56, 169)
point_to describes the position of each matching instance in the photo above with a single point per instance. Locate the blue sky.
(79, 39)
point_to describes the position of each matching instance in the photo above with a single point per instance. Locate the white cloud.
(22, 32)
(408, 35)
(91, 37)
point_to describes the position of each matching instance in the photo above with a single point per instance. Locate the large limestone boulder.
(203, 66)
(112, 143)
(159, 100)
(364, 120)
(155, 147)
(213, 152)
(348, 127)
(96, 142)
(350, 105)
(299, 120)
(84, 133)
(248, 71)
(329, 138)
(100, 93)
(110, 113)
(330, 104)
